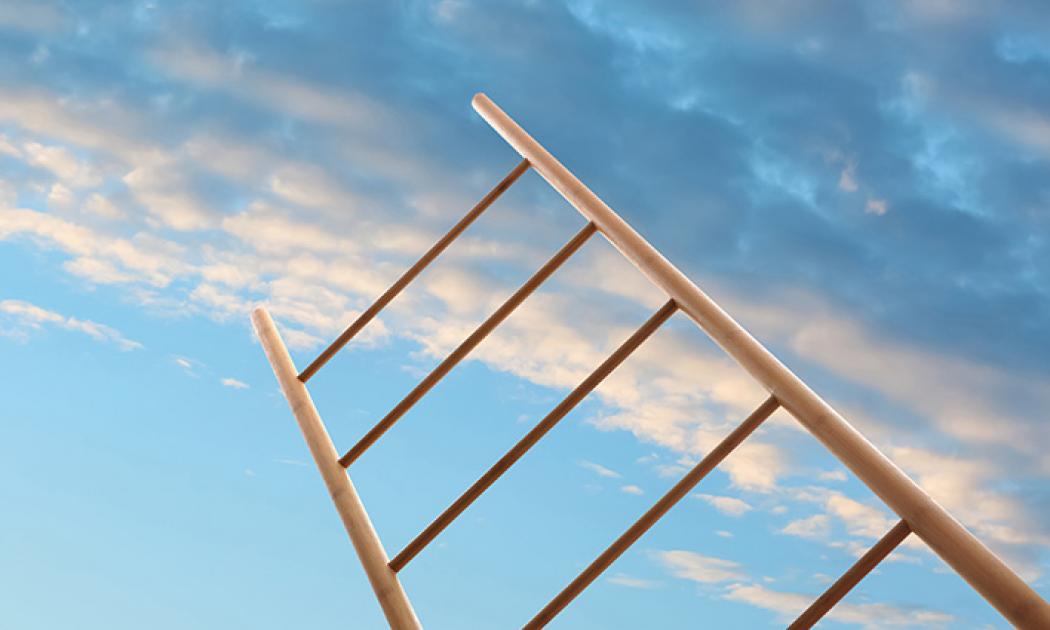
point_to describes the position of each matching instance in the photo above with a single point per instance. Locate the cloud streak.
(24, 318)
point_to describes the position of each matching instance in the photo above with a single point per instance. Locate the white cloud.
(272, 230)
(191, 367)
(196, 63)
(816, 527)
(99, 205)
(869, 616)
(69, 169)
(733, 584)
(448, 10)
(32, 16)
(144, 257)
(160, 183)
(689, 565)
(291, 462)
(731, 506)
(599, 470)
(877, 207)
(100, 271)
(968, 488)
(102, 125)
(300, 340)
(8, 148)
(860, 519)
(832, 475)
(60, 196)
(848, 177)
(316, 274)
(631, 489)
(233, 383)
(312, 187)
(8, 193)
(973, 403)
(622, 579)
(20, 318)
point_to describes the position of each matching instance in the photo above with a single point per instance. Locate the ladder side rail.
(533, 436)
(677, 492)
(471, 342)
(967, 555)
(388, 590)
(435, 250)
(862, 567)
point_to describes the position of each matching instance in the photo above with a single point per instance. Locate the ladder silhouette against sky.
(919, 514)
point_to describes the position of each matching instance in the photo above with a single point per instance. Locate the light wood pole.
(996, 582)
(391, 596)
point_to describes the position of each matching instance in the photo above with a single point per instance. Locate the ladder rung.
(413, 271)
(852, 577)
(534, 436)
(469, 343)
(661, 507)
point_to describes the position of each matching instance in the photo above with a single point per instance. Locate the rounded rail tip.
(259, 314)
(479, 99)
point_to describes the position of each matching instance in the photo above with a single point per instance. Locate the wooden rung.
(534, 436)
(642, 525)
(469, 343)
(413, 271)
(852, 577)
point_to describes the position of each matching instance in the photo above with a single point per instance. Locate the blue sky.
(861, 184)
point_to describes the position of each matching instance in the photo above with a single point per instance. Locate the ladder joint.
(532, 437)
(655, 513)
(852, 577)
(471, 342)
(435, 250)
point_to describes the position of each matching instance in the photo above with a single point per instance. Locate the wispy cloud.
(37, 17)
(731, 506)
(195, 62)
(820, 231)
(869, 616)
(21, 318)
(732, 583)
(599, 470)
(816, 527)
(290, 462)
(832, 475)
(188, 365)
(233, 383)
(622, 579)
(696, 567)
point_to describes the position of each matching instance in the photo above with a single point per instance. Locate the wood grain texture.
(970, 558)
(391, 596)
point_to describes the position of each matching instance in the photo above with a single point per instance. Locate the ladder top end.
(480, 100)
(260, 316)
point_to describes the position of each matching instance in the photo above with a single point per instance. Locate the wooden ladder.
(919, 514)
